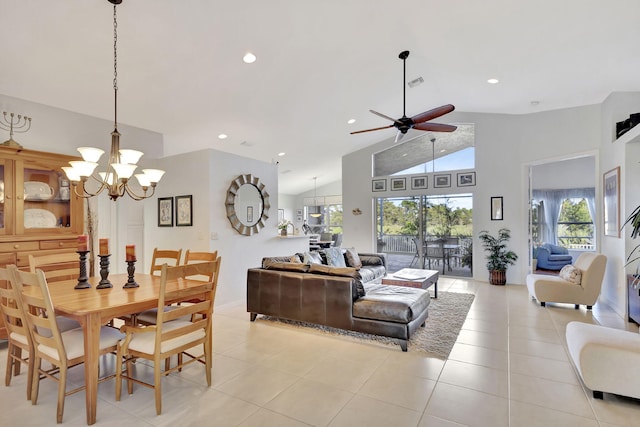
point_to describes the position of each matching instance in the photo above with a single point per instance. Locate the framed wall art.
(184, 211)
(165, 211)
(466, 179)
(496, 209)
(611, 201)
(418, 182)
(442, 181)
(398, 184)
(379, 185)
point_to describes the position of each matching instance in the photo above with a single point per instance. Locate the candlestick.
(104, 246)
(83, 279)
(104, 272)
(131, 253)
(131, 269)
(82, 242)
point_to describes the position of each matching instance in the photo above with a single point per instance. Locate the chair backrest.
(435, 249)
(56, 267)
(419, 247)
(195, 257)
(39, 313)
(164, 256)
(325, 236)
(11, 309)
(337, 240)
(203, 306)
(592, 266)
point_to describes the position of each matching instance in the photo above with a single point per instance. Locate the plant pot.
(283, 232)
(497, 277)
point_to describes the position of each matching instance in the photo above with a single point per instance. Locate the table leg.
(91, 361)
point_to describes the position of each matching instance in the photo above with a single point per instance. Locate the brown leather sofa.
(329, 296)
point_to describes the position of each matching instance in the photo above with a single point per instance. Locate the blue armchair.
(553, 257)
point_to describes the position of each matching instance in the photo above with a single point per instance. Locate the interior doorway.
(431, 232)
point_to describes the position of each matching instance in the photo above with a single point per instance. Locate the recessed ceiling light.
(443, 150)
(534, 103)
(223, 136)
(493, 81)
(351, 121)
(249, 58)
(281, 154)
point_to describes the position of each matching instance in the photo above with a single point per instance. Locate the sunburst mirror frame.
(232, 215)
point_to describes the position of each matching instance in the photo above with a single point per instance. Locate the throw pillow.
(334, 257)
(353, 259)
(312, 258)
(571, 274)
(270, 260)
(295, 259)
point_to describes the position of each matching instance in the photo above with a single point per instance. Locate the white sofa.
(607, 359)
(547, 288)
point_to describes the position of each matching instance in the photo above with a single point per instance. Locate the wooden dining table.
(94, 308)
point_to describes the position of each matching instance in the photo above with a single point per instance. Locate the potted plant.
(498, 258)
(283, 226)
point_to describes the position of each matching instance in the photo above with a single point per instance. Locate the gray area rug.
(447, 313)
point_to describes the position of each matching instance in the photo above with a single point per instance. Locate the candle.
(131, 253)
(82, 243)
(104, 246)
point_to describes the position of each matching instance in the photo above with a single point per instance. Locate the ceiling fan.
(419, 121)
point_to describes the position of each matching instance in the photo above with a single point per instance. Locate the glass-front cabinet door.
(6, 196)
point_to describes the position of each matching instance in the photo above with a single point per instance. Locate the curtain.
(552, 201)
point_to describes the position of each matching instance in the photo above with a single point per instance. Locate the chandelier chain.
(115, 66)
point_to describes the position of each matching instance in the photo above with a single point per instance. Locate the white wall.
(206, 175)
(573, 173)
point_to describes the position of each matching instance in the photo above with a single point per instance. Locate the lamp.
(122, 163)
(315, 197)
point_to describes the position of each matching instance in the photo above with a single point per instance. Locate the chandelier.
(122, 163)
(315, 197)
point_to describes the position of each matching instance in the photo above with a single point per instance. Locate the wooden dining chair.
(18, 336)
(164, 256)
(61, 349)
(58, 267)
(171, 335)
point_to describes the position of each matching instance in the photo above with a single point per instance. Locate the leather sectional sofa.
(351, 298)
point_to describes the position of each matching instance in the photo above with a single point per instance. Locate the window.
(324, 214)
(575, 225)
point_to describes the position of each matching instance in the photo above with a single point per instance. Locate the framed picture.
(379, 185)
(466, 179)
(165, 211)
(398, 184)
(496, 209)
(299, 213)
(184, 211)
(611, 187)
(299, 218)
(442, 181)
(280, 215)
(418, 182)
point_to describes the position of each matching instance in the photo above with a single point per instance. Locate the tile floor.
(509, 367)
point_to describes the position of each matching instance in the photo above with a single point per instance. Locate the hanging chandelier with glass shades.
(122, 162)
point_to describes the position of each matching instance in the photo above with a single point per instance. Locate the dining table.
(93, 308)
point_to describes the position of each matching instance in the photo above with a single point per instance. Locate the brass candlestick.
(83, 279)
(104, 272)
(12, 126)
(131, 269)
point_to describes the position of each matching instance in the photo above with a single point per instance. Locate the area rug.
(447, 313)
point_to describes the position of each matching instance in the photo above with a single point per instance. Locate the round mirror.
(247, 204)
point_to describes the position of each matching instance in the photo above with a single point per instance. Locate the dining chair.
(58, 267)
(62, 350)
(18, 336)
(164, 256)
(419, 255)
(171, 335)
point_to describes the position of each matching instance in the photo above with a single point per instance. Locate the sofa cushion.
(334, 257)
(359, 290)
(353, 259)
(288, 266)
(371, 273)
(390, 303)
(275, 259)
(312, 258)
(571, 274)
(371, 260)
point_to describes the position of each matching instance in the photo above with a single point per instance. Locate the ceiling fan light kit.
(419, 121)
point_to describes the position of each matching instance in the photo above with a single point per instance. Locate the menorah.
(17, 124)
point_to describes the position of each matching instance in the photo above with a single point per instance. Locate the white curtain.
(552, 202)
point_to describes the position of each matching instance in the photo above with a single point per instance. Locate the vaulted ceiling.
(319, 64)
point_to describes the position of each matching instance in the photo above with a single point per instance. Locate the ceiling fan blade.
(435, 127)
(382, 115)
(370, 130)
(432, 114)
(399, 136)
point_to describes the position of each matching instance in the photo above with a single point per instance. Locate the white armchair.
(547, 288)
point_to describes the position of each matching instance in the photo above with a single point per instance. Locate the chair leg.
(62, 386)
(598, 395)
(543, 304)
(118, 374)
(589, 307)
(577, 306)
(10, 362)
(35, 386)
(157, 385)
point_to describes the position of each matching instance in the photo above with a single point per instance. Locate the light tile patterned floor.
(509, 367)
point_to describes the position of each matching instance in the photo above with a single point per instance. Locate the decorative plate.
(39, 218)
(35, 190)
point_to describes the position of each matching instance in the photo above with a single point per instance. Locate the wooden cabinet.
(633, 299)
(39, 213)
